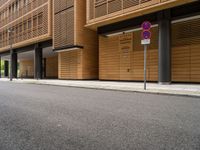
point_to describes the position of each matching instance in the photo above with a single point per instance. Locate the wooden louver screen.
(28, 27)
(186, 51)
(63, 23)
(186, 33)
(100, 8)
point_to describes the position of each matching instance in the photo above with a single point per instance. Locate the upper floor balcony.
(102, 12)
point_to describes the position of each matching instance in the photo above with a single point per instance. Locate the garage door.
(69, 64)
(186, 51)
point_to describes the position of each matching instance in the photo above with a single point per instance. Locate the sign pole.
(145, 66)
(146, 40)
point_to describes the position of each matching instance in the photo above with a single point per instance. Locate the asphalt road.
(41, 117)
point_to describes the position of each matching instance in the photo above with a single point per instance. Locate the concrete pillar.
(44, 67)
(0, 66)
(14, 65)
(6, 68)
(164, 47)
(38, 63)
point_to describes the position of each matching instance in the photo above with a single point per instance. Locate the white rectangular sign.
(145, 41)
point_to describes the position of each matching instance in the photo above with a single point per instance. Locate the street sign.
(146, 36)
(145, 41)
(146, 25)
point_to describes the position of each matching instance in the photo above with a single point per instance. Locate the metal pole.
(145, 66)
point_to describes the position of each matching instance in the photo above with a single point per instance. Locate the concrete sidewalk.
(174, 89)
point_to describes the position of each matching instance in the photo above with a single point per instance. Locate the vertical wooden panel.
(88, 39)
(52, 67)
(125, 48)
(109, 58)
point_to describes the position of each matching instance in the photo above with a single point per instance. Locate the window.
(34, 21)
(0, 37)
(25, 2)
(16, 30)
(20, 28)
(40, 19)
(10, 10)
(17, 6)
(29, 24)
(13, 8)
(25, 26)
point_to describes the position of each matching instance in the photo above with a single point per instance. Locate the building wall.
(52, 67)
(26, 69)
(70, 65)
(103, 12)
(63, 23)
(89, 40)
(122, 57)
(29, 20)
(186, 51)
(78, 63)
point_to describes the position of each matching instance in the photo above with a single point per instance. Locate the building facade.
(101, 39)
(48, 39)
(174, 52)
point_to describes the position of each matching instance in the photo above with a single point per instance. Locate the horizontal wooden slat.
(121, 57)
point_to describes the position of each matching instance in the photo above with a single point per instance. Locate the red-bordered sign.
(146, 35)
(146, 25)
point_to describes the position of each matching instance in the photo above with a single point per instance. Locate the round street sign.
(146, 25)
(146, 34)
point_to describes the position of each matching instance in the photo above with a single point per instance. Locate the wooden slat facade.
(121, 57)
(103, 12)
(52, 67)
(81, 63)
(29, 20)
(26, 68)
(186, 51)
(63, 23)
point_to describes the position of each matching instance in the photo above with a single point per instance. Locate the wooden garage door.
(122, 57)
(186, 51)
(69, 64)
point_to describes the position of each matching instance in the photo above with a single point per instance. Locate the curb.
(113, 89)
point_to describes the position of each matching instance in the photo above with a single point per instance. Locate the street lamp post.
(10, 31)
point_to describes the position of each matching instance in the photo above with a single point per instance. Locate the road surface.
(42, 117)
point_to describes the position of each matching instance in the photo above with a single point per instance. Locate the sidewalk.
(174, 89)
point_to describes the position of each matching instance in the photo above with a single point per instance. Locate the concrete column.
(38, 63)
(164, 47)
(6, 68)
(14, 65)
(44, 67)
(0, 66)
